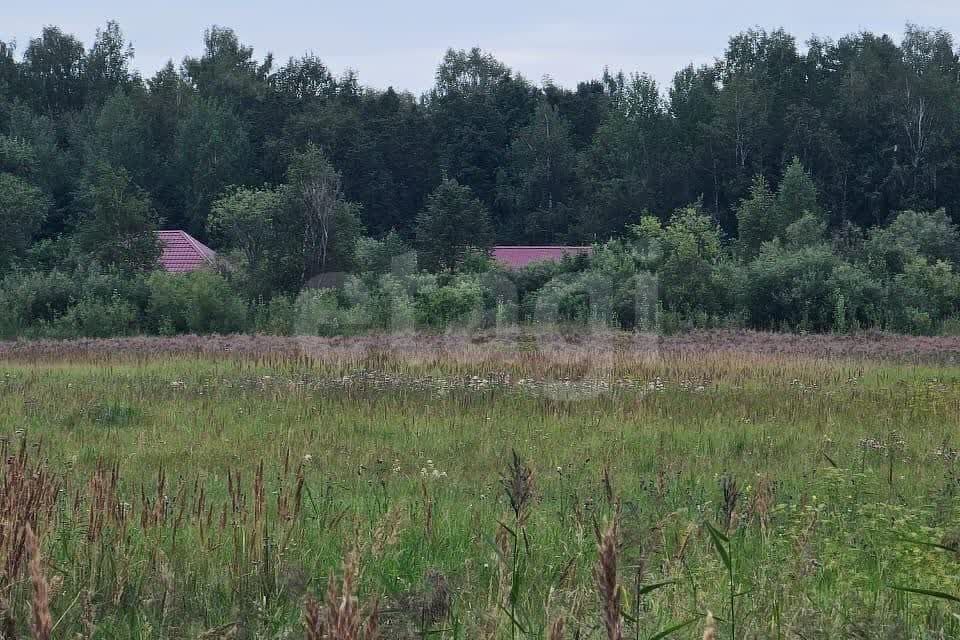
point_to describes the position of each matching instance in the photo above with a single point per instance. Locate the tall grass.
(404, 495)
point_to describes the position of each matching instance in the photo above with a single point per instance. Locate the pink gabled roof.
(519, 257)
(182, 252)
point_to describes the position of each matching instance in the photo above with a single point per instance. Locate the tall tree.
(9, 75)
(119, 138)
(538, 178)
(227, 69)
(476, 104)
(756, 218)
(229, 74)
(796, 196)
(118, 227)
(107, 65)
(624, 172)
(453, 222)
(53, 71)
(329, 224)
(23, 208)
(211, 151)
(247, 221)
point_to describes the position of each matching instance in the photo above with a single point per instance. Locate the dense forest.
(792, 186)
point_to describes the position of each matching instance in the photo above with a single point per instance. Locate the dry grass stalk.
(762, 503)
(681, 553)
(388, 530)
(313, 619)
(608, 492)
(427, 509)
(8, 626)
(605, 574)
(504, 546)
(340, 617)
(695, 353)
(41, 625)
(556, 629)
(28, 495)
(710, 628)
(88, 614)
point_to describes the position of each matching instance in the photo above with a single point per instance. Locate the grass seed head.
(710, 628)
(605, 574)
(42, 624)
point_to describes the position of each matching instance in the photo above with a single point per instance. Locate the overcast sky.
(400, 43)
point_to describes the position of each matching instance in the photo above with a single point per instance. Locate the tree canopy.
(832, 162)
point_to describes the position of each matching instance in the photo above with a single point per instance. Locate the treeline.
(780, 187)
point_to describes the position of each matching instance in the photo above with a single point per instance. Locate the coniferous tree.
(453, 222)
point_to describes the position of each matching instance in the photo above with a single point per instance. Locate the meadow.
(705, 486)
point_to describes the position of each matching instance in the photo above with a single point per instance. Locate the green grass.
(408, 471)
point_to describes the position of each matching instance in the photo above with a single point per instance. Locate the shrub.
(93, 318)
(30, 300)
(317, 313)
(197, 302)
(692, 251)
(801, 288)
(912, 234)
(388, 255)
(275, 317)
(458, 303)
(926, 293)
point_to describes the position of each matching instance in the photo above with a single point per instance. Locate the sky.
(399, 44)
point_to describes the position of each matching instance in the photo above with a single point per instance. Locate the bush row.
(657, 277)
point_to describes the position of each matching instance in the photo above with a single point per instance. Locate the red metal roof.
(182, 252)
(519, 257)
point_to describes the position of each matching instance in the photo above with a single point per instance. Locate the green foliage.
(457, 304)
(387, 255)
(691, 249)
(35, 303)
(52, 71)
(197, 302)
(539, 176)
(792, 215)
(912, 235)
(927, 293)
(119, 228)
(452, 223)
(119, 138)
(95, 318)
(276, 317)
(756, 218)
(317, 313)
(622, 171)
(327, 224)
(284, 168)
(17, 156)
(809, 230)
(801, 287)
(475, 108)
(796, 197)
(210, 152)
(243, 218)
(585, 299)
(23, 208)
(107, 66)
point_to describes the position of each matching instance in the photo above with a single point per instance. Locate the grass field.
(210, 492)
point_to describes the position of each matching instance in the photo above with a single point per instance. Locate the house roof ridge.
(206, 252)
(201, 248)
(183, 252)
